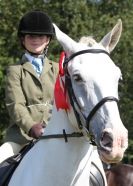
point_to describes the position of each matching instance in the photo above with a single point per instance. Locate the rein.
(64, 135)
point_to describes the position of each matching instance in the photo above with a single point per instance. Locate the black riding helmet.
(35, 22)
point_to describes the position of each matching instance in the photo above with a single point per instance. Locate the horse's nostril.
(106, 141)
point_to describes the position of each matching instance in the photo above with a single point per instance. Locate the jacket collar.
(28, 67)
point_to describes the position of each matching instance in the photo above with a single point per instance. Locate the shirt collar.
(31, 58)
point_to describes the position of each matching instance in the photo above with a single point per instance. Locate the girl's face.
(35, 43)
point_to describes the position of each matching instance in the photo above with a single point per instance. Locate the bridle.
(79, 115)
(81, 119)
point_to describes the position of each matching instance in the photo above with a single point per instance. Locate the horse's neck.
(58, 122)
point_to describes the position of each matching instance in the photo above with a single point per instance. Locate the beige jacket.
(28, 98)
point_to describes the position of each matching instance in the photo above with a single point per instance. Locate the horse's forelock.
(88, 40)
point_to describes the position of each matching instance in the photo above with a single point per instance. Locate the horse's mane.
(88, 40)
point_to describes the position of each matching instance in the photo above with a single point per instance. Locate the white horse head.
(94, 82)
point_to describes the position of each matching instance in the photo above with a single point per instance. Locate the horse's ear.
(67, 43)
(111, 39)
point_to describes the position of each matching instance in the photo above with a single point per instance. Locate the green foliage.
(75, 18)
(128, 158)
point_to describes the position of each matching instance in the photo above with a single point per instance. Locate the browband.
(93, 51)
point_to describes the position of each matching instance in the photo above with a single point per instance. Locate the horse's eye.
(77, 77)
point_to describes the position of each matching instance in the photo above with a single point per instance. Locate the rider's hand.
(37, 130)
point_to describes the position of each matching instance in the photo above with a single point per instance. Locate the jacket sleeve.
(15, 99)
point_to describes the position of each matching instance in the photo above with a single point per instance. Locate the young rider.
(29, 84)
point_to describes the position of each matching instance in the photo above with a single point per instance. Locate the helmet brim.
(36, 33)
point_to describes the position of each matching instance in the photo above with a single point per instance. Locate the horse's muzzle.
(112, 147)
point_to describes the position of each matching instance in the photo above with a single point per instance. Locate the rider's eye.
(77, 77)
